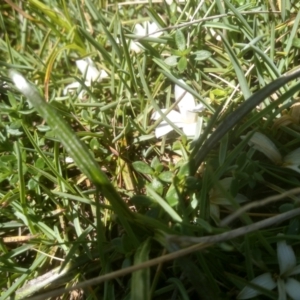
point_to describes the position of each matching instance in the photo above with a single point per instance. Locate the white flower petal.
(187, 102)
(152, 28)
(169, 2)
(139, 30)
(103, 74)
(198, 108)
(190, 129)
(69, 160)
(281, 289)
(189, 117)
(73, 86)
(292, 160)
(292, 287)
(263, 144)
(294, 271)
(81, 94)
(286, 257)
(147, 28)
(135, 47)
(173, 116)
(215, 35)
(163, 128)
(87, 68)
(265, 280)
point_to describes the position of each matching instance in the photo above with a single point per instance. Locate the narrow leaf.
(180, 40)
(77, 150)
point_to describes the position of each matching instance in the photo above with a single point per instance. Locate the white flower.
(169, 2)
(69, 160)
(88, 69)
(215, 35)
(292, 160)
(186, 118)
(263, 144)
(148, 29)
(293, 288)
(264, 280)
(285, 284)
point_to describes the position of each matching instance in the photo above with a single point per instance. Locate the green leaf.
(172, 196)
(202, 55)
(157, 186)
(205, 225)
(294, 227)
(156, 164)
(141, 200)
(142, 167)
(171, 60)
(140, 281)
(182, 64)
(179, 285)
(32, 184)
(285, 207)
(167, 208)
(218, 92)
(296, 42)
(14, 132)
(180, 40)
(39, 163)
(166, 176)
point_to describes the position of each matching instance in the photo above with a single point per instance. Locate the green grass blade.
(77, 150)
(237, 115)
(168, 209)
(238, 69)
(140, 281)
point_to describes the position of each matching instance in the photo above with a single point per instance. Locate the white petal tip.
(71, 87)
(265, 280)
(69, 160)
(292, 287)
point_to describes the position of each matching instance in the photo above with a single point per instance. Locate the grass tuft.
(93, 205)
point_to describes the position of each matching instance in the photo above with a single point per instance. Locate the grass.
(132, 216)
